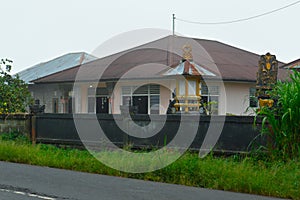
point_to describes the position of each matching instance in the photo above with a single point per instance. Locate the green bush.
(281, 123)
(15, 136)
(14, 93)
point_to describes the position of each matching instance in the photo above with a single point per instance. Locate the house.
(294, 65)
(50, 67)
(56, 65)
(138, 77)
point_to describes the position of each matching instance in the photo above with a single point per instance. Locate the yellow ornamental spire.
(187, 52)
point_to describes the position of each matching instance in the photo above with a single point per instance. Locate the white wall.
(237, 98)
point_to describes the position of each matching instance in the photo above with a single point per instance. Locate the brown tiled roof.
(229, 63)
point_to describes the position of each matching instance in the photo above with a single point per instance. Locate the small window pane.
(204, 89)
(91, 91)
(154, 89)
(252, 98)
(214, 104)
(126, 90)
(141, 90)
(101, 91)
(126, 100)
(192, 87)
(181, 87)
(91, 104)
(213, 90)
(154, 104)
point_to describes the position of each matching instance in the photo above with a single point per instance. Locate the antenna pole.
(174, 24)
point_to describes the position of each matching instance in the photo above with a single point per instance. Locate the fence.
(15, 122)
(236, 136)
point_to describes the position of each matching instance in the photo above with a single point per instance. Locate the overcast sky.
(34, 31)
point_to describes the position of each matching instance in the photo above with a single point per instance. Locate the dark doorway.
(102, 105)
(55, 105)
(70, 105)
(142, 103)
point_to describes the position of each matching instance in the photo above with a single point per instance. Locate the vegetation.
(281, 123)
(274, 174)
(240, 174)
(14, 93)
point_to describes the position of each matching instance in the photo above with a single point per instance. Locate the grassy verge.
(248, 175)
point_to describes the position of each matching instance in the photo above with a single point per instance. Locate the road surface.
(19, 181)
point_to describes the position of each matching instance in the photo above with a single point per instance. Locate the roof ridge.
(225, 44)
(66, 54)
(290, 63)
(57, 58)
(127, 50)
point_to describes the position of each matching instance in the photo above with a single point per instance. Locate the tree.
(14, 94)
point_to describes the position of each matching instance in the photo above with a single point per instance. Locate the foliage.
(237, 173)
(14, 93)
(210, 107)
(281, 123)
(15, 136)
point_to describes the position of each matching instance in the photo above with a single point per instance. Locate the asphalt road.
(18, 181)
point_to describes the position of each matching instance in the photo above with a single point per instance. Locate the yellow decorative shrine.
(188, 76)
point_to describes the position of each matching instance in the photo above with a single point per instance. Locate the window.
(145, 97)
(210, 98)
(91, 104)
(181, 88)
(252, 97)
(192, 87)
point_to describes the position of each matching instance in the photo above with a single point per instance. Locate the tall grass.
(281, 123)
(239, 174)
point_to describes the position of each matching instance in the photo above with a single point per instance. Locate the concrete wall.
(237, 133)
(15, 122)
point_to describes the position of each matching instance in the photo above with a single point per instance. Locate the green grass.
(239, 174)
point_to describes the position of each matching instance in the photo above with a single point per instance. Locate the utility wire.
(238, 20)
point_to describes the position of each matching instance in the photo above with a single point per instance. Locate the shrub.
(281, 123)
(15, 136)
(14, 93)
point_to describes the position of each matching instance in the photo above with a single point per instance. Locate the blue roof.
(56, 65)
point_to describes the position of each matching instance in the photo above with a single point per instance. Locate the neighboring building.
(50, 67)
(56, 65)
(229, 79)
(293, 65)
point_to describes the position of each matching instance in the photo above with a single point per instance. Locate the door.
(142, 103)
(55, 105)
(70, 105)
(102, 105)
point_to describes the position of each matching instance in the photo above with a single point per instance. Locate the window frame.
(211, 93)
(252, 97)
(150, 93)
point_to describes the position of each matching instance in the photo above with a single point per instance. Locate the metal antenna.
(174, 24)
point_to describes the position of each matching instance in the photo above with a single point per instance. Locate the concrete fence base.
(238, 133)
(15, 123)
